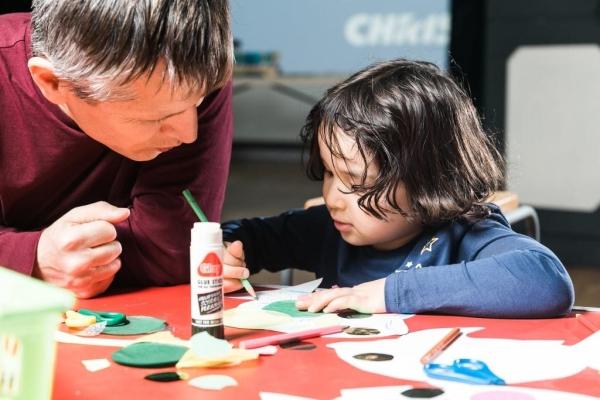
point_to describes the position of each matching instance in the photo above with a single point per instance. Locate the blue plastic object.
(464, 370)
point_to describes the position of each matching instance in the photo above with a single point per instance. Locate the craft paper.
(96, 364)
(63, 337)
(515, 361)
(289, 307)
(207, 346)
(266, 350)
(159, 337)
(166, 337)
(453, 391)
(213, 382)
(252, 315)
(234, 357)
(92, 330)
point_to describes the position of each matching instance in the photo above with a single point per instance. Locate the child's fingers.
(317, 301)
(341, 303)
(231, 285)
(236, 249)
(233, 272)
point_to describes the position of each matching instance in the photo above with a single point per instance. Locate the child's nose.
(333, 197)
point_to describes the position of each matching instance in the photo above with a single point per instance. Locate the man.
(108, 110)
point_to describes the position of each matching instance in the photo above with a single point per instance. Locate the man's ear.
(42, 72)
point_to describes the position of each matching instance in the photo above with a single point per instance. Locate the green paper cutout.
(204, 345)
(149, 355)
(289, 307)
(136, 326)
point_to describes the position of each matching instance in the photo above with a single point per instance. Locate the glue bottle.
(206, 278)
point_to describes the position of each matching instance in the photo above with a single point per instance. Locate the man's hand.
(79, 251)
(368, 297)
(234, 266)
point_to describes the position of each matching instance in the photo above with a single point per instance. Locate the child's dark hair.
(421, 129)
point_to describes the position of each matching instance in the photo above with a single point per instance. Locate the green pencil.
(202, 217)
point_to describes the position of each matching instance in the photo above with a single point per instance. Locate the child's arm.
(510, 276)
(291, 240)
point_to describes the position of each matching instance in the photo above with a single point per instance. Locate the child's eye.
(327, 173)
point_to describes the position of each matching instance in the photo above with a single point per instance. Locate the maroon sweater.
(49, 166)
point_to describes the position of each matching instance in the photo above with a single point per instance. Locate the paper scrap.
(207, 346)
(96, 364)
(92, 330)
(234, 357)
(213, 382)
(63, 337)
(266, 350)
(166, 337)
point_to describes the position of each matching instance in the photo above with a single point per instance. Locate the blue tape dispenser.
(464, 370)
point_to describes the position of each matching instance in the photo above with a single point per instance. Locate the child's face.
(356, 226)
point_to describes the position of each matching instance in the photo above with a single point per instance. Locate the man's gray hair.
(99, 46)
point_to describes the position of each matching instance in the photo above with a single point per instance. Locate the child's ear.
(42, 73)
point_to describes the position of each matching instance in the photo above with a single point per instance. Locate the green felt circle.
(149, 355)
(136, 326)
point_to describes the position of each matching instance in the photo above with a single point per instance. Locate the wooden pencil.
(441, 346)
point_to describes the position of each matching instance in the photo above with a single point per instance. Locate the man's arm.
(18, 249)
(156, 237)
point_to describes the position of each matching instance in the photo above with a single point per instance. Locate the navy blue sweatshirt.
(482, 268)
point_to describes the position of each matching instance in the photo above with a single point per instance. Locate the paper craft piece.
(170, 376)
(206, 346)
(281, 396)
(266, 350)
(253, 318)
(250, 315)
(63, 337)
(97, 364)
(454, 391)
(92, 330)
(149, 355)
(137, 326)
(75, 320)
(166, 337)
(234, 357)
(515, 361)
(213, 382)
(288, 307)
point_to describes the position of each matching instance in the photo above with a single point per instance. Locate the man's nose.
(184, 127)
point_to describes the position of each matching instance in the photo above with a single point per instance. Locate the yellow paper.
(236, 356)
(166, 337)
(76, 320)
(249, 318)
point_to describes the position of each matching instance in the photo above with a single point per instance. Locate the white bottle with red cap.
(206, 278)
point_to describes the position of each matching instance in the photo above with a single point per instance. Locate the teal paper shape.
(289, 307)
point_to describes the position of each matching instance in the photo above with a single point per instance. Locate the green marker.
(202, 217)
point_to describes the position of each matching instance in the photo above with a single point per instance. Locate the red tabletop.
(315, 373)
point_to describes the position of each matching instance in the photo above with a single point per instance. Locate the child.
(406, 171)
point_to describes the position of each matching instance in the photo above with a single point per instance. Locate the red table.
(315, 373)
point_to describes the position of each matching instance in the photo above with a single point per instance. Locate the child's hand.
(234, 266)
(367, 297)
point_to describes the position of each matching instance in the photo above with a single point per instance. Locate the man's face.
(157, 120)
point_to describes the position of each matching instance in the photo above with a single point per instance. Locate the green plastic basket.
(29, 314)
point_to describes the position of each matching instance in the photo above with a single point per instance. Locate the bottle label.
(207, 290)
